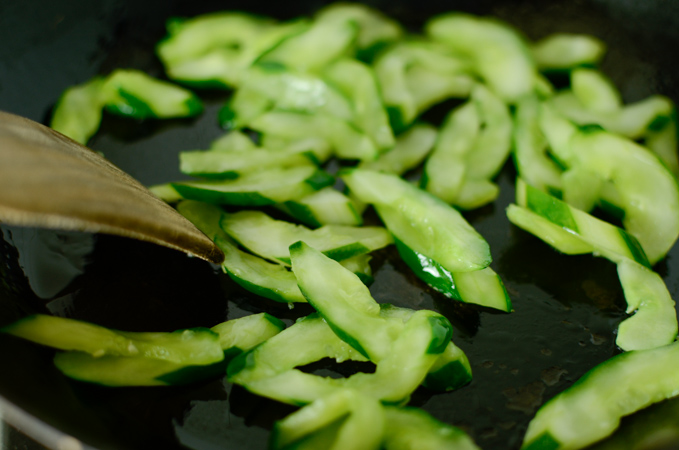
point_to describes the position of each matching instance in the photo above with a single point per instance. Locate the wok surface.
(566, 308)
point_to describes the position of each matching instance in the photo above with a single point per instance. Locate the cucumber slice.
(78, 111)
(648, 192)
(421, 221)
(411, 148)
(235, 336)
(324, 207)
(482, 287)
(271, 238)
(654, 322)
(135, 94)
(592, 408)
(663, 142)
(563, 51)
(608, 240)
(233, 141)
(530, 148)
(344, 138)
(350, 310)
(191, 346)
(595, 91)
(265, 187)
(375, 30)
(358, 83)
(229, 165)
(361, 423)
(499, 53)
(310, 51)
(408, 425)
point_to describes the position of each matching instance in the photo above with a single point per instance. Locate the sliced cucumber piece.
(360, 418)
(407, 426)
(135, 94)
(563, 51)
(358, 83)
(191, 346)
(349, 310)
(78, 111)
(499, 54)
(346, 141)
(530, 148)
(233, 141)
(595, 91)
(229, 165)
(411, 148)
(265, 187)
(421, 221)
(592, 408)
(324, 207)
(270, 238)
(648, 192)
(482, 287)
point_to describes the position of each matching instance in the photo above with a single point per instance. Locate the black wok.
(567, 308)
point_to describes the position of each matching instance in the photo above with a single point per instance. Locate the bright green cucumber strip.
(191, 346)
(445, 168)
(595, 91)
(361, 428)
(324, 207)
(312, 50)
(648, 192)
(270, 238)
(411, 148)
(233, 141)
(375, 30)
(346, 141)
(192, 38)
(631, 121)
(558, 131)
(654, 322)
(482, 287)
(664, 142)
(406, 426)
(227, 165)
(499, 53)
(582, 188)
(133, 93)
(562, 51)
(421, 221)
(429, 87)
(166, 192)
(78, 111)
(608, 240)
(357, 82)
(591, 409)
(493, 143)
(244, 106)
(343, 301)
(235, 337)
(265, 187)
(269, 280)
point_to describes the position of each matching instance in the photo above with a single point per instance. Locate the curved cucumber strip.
(563, 51)
(557, 223)
(592, 408)
(405, 426)
(499, 54)
(482, 287)
(421, 221)
(360, 422)
(264, 187)
(191, 346)
(78, 111)
(411, 148)
(235, 337)
(595, 91)
(530, 148)
(133, 93)
(271, 238)
(649, 193)
(327, 206)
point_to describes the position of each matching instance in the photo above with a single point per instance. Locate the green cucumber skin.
(440, 279)
(593, 406)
